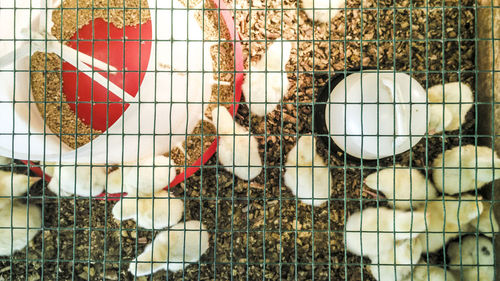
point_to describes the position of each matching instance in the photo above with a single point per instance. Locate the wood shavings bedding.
(258, 230)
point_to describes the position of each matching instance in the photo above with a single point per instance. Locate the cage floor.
(259, 230)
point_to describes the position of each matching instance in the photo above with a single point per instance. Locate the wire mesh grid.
(248, 218)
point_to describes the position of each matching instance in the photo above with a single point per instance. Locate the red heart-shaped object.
(127, 49)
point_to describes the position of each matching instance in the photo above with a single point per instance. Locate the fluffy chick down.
(446, 218)
(462, 169)
(313, 186)
(173, 249)
(398, 262)
(425, 272)
(453, 101)
(267, 81)
(148, 176)
(408, 187)
(12, 184)
(473, 258)
(373, 232)
(322, 11)
(486, 223)
(26, 221)
(152, 212)
(238, 150)
(82, 180)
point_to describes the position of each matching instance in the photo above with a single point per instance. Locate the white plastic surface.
(372, 115)
(161, 125)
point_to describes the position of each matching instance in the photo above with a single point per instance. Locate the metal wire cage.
(242, 216)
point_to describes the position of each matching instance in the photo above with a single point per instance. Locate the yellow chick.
(446, 218)
(18, 226)
(486, 223)
(322, 11)
(473, 258)
(152, 212)
(150, 175)
(267, 81)
(68, 179)
(408, 187)
(461, 169)
(398, 262)
(375, 231)
(12, 184)
(310, 185)
(173, 249)
(425, 272)
(457, 99)
(238, 150)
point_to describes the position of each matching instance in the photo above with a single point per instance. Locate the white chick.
(401, 184)
(446, 219)
(372, 233)
(115, 182)
(311, 185)
(67, 180)
(163, 211)
(12, 184)
(173, 249)
(467, 261)
(264, 86)
(424, 272)
(20, 218)
(436, 120)
(322, 10)
(486, 223)
(457, 98)
(140, 179)
(238, 150)
(460, 168)
(398, 262)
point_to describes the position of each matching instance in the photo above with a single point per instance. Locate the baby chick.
(373, 232)
(473, 258)
(151, 175)
(163, 211)
(461, 166)
(486, 223)
(12, 184)
(425, 272)
(446, 218)
(439, 117)
(398, 262)
(115, 182)
(80, 180)
(311, 185)
(173, 249)
(322, 10)
(14, 232)
(404, 184)
(238, 150)
(267, 81)
(457, 98)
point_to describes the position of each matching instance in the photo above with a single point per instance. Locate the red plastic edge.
(224, 11)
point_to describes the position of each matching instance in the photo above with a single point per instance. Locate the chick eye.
(485, 251)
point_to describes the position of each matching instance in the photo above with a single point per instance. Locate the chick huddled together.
(21, 222)
(146, 202)
(152, 207)
(423, 221)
